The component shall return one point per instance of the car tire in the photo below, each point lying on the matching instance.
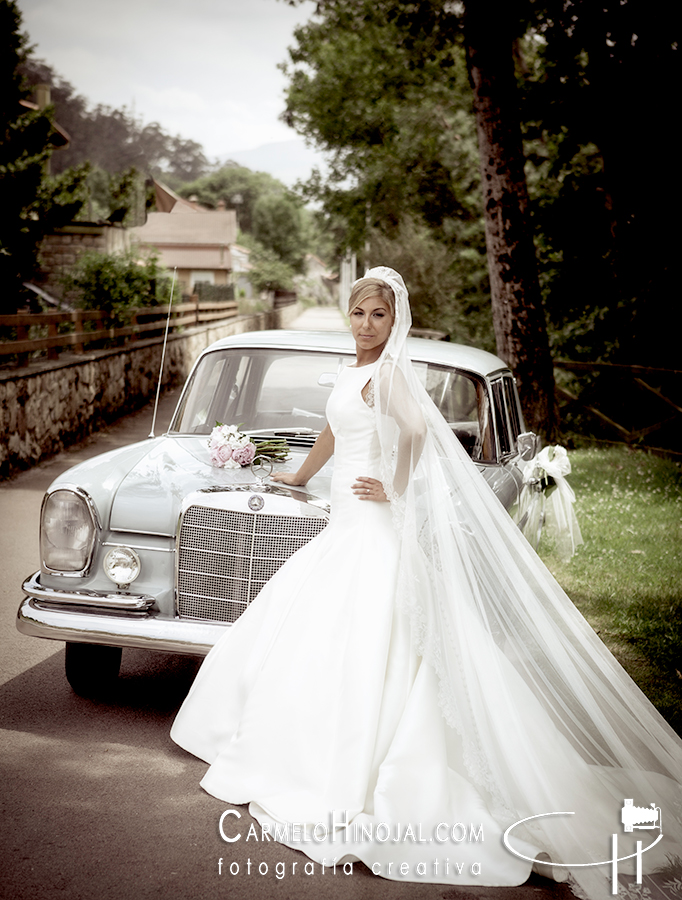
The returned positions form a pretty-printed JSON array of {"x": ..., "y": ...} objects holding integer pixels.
[{"x": 92, "y": 669}]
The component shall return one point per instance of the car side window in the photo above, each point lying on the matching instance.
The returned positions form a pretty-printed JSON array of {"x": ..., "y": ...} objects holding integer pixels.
[
  {"x": 507, "y": 413},
  {"x": 513, "y": 411},
  {"x": 462, "y": 399}
]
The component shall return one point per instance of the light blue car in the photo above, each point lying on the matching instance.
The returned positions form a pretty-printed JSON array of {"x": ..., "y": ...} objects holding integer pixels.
[{"x": 151, "y": 546}]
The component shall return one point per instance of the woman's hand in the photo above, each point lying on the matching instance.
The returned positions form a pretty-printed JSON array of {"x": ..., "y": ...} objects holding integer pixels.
[
  {"x": 320, "y": 453},
  {"x": 290, "y": 478},
  {"x": 369, "y": 489}
]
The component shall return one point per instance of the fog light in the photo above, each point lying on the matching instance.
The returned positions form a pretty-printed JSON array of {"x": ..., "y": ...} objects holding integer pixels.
[{"x": 122, "y": 565}]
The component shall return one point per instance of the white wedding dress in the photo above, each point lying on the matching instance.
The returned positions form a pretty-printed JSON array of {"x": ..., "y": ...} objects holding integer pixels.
[
  {"x": 314, "y": 705},
  {"x": 415, "y": 672}
]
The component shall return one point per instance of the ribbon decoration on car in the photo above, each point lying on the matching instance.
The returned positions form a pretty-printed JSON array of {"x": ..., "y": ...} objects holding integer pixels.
[{"x": 547, "y": 501}]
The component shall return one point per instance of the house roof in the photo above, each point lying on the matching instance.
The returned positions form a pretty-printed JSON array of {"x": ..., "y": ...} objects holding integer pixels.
[
  {"x": 209, "y": 227},
  {"x": 185, "y": 257},
  {"x": 58, "y": 137}
]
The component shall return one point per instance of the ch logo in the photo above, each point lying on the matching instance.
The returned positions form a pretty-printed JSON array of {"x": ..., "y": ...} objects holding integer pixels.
[{"x": 640, "y": 817}]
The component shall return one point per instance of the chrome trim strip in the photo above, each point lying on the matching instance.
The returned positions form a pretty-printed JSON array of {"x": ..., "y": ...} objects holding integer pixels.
[
  {"x": 137, "y": 546},
  {"x": 130, "y": 602},
  {"x": 151, "y": 533},
  {"x": 144, "y": 632}
]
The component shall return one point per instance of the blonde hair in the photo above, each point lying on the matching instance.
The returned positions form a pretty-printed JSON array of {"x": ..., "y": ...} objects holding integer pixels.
[{"x": 365, "y": 288}]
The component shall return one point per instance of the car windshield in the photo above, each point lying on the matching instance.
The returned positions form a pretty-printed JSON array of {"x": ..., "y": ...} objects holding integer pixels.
[{"x": 286, "y": 391}]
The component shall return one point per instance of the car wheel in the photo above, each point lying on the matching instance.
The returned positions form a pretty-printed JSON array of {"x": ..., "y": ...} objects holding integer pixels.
[{"x": 92, "y": 669}]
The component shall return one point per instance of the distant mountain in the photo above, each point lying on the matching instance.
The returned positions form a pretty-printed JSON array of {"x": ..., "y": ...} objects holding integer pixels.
[{"x": 289, "y": 161}]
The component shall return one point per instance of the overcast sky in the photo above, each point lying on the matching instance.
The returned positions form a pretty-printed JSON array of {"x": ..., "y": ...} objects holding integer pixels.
[{"x": 204, "y": 69}]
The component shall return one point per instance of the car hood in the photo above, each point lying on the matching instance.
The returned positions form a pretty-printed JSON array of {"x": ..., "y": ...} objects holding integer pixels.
[{"x": 150, "y": 495}]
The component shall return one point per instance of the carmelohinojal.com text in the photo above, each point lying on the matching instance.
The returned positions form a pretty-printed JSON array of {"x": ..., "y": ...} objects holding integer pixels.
[{"x": 341, "y": 831}]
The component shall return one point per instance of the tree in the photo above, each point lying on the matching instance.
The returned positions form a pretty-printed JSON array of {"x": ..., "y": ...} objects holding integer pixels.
[
  {"x": 518, "y": 316},
  {"x": 396, "y": 122},
  {"x": 597, "y": 103},
  {"x": 427, "y": 267},
  {"x": 363, "y": 72},
  {"x": 237, "y": 187},
  {"x": 278, "y": 225},
  {"x": 280, "y": 229},
  {"x": 268, "y": 272},
  {"x": 33, "y": 204}
]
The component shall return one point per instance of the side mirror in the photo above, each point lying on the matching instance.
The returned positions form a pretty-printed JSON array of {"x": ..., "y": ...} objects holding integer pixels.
[{"x": 528, "y": 445}]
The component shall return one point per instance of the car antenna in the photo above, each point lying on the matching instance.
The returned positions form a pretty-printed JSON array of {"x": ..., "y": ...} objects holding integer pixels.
[{"x": 163, "y": 352}]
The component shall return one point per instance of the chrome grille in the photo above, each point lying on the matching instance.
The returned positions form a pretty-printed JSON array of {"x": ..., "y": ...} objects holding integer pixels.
[{"x": 225, "y": 557}]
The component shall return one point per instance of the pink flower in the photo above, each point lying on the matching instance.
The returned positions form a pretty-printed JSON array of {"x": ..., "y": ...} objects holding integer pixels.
[
  {"x": 223, "y": 454},
  {"x": 244, "y": 455},
  {"x": 220, "y": 454}
]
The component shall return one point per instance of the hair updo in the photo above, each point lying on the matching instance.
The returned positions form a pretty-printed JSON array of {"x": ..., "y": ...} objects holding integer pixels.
[{"x": 365, "y": 288}]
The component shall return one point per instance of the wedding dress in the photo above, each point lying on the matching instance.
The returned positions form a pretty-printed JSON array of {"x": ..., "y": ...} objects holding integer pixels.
[{"x": 412, "y": 683}]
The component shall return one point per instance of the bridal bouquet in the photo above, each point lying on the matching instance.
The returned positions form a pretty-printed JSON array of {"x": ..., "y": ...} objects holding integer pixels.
[{"x": 230, "y": 448}]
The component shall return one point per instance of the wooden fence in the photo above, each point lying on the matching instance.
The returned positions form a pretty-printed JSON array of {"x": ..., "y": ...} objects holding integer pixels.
[
  {"x": 75, "y": 330},
  {"x": 629, "y": 404},
  {"x": 633, "y": 404}
]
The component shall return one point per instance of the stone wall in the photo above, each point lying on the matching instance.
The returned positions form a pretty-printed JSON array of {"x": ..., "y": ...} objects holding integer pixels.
[{"x": 49, "y": 405}]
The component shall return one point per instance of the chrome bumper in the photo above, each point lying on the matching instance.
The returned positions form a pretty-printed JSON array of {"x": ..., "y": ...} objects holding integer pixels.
[
  {"x": 120, "y": 602},
  {"x": 64, "y": 616}
]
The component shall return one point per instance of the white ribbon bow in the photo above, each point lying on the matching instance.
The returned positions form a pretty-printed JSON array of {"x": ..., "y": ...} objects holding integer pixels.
[{"x": 559, "y": 515}]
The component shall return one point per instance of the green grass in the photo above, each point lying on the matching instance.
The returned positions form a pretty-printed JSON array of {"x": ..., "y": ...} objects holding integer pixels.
[{"x": 626, "y": 578}]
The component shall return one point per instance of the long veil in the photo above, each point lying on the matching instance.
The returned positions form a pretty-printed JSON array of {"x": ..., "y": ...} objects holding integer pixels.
[{"x": 548, "y": 720}]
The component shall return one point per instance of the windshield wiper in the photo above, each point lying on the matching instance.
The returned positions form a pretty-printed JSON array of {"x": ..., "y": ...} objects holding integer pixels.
[{"x": 284, "y": 430}]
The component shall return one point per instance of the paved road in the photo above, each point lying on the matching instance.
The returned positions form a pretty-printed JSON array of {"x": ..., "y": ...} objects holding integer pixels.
[
  {"x": 97, "y": 802},
  {"x": 321, "y": 318}
]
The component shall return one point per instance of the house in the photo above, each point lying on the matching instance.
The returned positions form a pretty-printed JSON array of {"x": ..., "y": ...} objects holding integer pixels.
[{"x": 199, "y": 242}]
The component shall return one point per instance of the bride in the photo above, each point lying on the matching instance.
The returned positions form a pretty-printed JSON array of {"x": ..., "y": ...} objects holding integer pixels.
[{"x": 413, "y": 683}]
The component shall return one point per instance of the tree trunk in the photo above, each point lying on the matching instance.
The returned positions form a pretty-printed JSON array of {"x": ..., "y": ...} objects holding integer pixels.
[{"x": 518, "y": 316}]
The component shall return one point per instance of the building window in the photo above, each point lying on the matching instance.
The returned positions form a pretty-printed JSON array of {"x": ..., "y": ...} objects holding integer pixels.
[{"x": 205, "y": 275}]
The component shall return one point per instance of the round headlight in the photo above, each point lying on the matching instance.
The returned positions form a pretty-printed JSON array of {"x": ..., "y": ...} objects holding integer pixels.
[
  {"x": 67, "y": 533},
  {"x": 122, "y": 565}
]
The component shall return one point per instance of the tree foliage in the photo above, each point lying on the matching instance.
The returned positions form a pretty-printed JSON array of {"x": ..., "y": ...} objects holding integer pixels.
[
  {"x": 597, "y": 103},
  {"x": 427, "y": 267},
  {"x": 237, "y": 187},
  {"x": 33, "y": 203},
  {"x": 118, "y": 284},
  {"x": 379, "y": 86},
  {"x": 277, "y": 227},
  {"x": 268, "y": 272},
  {"x": 380, "y": 81},
  {"x": 392, "y": 106}
]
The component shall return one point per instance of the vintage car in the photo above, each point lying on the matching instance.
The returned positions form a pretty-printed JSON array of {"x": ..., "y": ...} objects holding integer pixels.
[{"x": 152, "y": 546}]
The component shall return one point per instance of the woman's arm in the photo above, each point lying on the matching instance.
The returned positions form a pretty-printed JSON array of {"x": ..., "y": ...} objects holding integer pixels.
[{"x": 321, "y": 452}]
